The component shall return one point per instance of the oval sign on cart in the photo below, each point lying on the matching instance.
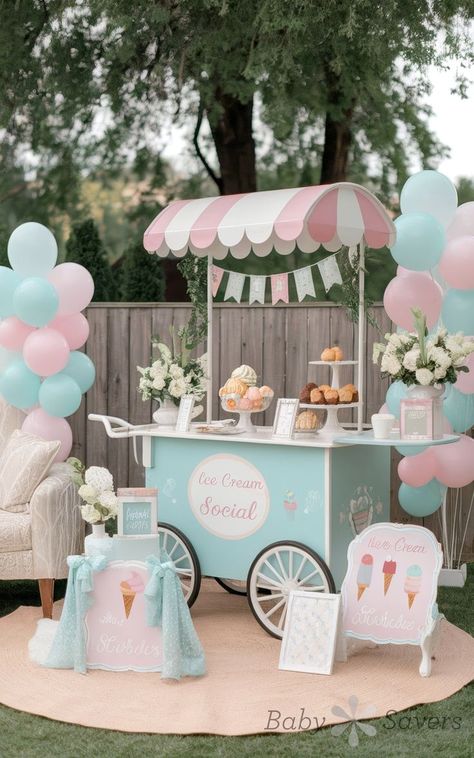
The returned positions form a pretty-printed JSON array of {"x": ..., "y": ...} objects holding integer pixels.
[{"x": 228, "y": 496}]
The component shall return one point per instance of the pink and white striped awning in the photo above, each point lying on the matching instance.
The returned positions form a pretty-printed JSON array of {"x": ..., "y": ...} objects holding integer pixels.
[{"x": 331, "y": 215}]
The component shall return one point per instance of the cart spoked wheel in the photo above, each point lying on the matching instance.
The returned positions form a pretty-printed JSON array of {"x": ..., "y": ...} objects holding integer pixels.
[
  {"x": 233, "y": 586},
  {"x": 276, "y": 571},
  {"x": 184, "y": 558}
]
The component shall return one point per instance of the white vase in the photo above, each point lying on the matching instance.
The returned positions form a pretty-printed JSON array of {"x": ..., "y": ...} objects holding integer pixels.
[
  {"x": 426, "y": 393},
  {"x": 98, "y": 542},
  {"x": 167, "y": 413}
]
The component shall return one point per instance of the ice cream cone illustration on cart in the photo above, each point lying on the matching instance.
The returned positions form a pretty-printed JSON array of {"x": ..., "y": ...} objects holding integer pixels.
[
  {"x": 290, "y": 504},
  {"x": 389, "y": 570},
  {"x": 412, "y": 583},
  {"x": 361, "y": 510},
  {"x": 130, "y": 588},
  {"x": 364, "y": 575}
]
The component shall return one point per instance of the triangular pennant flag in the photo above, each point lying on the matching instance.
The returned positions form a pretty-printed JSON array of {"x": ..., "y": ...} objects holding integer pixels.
[
  {"x": 329, "y": 271},
  {"x": 304, "y": 283},
  {"x": 279, "y": 288},
  {"x": 257, "y": 289},
  {"x": 235, "y": 285},
  {"x": 217, "y": 274}
]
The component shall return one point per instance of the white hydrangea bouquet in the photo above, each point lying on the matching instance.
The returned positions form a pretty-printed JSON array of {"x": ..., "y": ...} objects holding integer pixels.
[
  {"x": 96, "y": 488},
  {"x": 416, "y": 358},
  {"x": 173, "y": 374}
]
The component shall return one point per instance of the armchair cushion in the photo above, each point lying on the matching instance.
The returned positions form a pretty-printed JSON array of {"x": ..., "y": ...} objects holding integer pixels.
[
  {"x": 15, "y": 532},
  {"x": 24, "y": 462},
  {"x": 10, "y": 419}
]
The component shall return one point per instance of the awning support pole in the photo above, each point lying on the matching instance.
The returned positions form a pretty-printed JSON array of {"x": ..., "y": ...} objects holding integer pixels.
[
  {"x": 361, "y": 338},
  {"x": 209, "y": 339}
]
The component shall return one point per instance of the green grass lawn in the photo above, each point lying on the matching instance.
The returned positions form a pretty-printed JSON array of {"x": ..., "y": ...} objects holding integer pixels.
[{"x": 22, "y": 735}]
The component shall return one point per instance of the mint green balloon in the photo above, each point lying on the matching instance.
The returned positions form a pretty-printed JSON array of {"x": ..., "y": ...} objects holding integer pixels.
[
  {"x": 430, "y": 192},
  {"x": 60, "y": 395},
  {"x": 457, "y": 311},
  {"x": 80, "y": 368},
  {"x": 9, "y": 281},
  {"x": 36, "y": 301},
  {"x": 420, "y": 241},
  {"x": 32, "y": 250},
  {"x": 421, "y": 501},
  {"x": 20, "y": 386}
]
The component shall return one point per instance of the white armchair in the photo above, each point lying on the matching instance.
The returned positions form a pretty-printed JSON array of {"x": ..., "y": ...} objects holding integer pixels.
[{"x": 35, "y": 544}]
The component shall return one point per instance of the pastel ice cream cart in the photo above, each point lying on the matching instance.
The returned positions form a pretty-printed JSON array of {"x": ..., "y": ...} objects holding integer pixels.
[{"x": 264, "y": 515}]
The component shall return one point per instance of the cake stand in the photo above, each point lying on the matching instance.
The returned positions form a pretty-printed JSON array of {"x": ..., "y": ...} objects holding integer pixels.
[
  {"x": 332, "y": 425},
  {"x": 230, "y": 404}
]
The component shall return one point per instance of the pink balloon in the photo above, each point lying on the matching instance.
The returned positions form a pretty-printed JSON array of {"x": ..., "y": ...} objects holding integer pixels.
[
  {"x": 413, "y": 290},
  {"x": 74, "y": 285},
  {"x": 46, "y": 351},
  {"x": 454, "y": 463},
  {"x": 75, "y": 328},
  {"x": 50, "y": 428},
  {"x": 463, "y": 222},
  {"x": 13, "y": 333},
  {"x": 457, "y": 263},
  {"x": 465, "y": 380},
  {"x": 417, "y": 470}
]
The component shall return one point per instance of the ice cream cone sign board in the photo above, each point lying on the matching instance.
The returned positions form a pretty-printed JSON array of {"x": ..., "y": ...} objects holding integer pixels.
[
  {"x": 389, "y": 591},
  {"x": 118, "y": 637}
]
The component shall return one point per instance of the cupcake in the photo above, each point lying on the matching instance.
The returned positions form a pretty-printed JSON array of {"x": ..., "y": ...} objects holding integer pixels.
[
  {"x": 266, "y": 391},
  {"x": 235, "y": 387},
  {"x": 253, "y": 393},
  {"x": 305, "y": 394}
]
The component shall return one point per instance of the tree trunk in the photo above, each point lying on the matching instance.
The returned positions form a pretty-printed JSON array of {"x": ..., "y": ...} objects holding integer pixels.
[
  {"x": 337, "y": 135},
  {"x": 233, "y": 138}
]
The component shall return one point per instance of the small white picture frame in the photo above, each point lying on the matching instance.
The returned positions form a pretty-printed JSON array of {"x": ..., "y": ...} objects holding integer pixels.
[
  {"x": 186, "y": 407},
  {"x": 311, "y": 630},
  {"x": 137, "y": 511},
  {"x": 285, "y": 417}
]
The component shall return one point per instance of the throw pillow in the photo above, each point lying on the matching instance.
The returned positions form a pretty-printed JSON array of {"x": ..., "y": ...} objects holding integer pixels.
[
  {"x": 24, "y": 463},
  {"x": 11, "y": 418}
]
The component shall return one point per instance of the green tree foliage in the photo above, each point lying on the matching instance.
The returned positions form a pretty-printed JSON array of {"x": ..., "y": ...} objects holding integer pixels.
[
  {"x": 142, "y": 276},
  {"x": 337, "y": 82},
  {"x": 84, "y": 246}
]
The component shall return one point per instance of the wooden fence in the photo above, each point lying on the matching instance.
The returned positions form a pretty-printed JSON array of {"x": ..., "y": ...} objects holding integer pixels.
[{"x": 277, "y": 341}]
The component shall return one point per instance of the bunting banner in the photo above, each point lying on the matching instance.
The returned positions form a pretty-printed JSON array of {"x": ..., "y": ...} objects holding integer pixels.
[
  {"x": 235, "y": 286},
  {"x": 257, "y": 289},
  {"x": 329, "y": 271},
  {"x": 217, "y": 274},
  {"x": 304, "y": 283},
  {"x": 279, "y": 288}
]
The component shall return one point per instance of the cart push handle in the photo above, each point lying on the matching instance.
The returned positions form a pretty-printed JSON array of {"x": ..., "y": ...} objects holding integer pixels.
[{"x": 120, "y": 428}]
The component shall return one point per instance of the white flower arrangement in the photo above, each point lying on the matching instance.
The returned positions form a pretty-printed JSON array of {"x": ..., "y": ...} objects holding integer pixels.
[
  {"x": 172, "y": 374},
  {"x": 96, "y": 488},
  {"x": 415, "y": 358}
]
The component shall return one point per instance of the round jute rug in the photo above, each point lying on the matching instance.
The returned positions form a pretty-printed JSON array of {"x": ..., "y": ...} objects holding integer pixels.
[{"x": 243, "y": 691}]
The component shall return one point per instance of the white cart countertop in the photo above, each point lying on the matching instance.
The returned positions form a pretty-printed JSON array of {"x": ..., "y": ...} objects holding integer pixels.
[{"x": 263, "y": 436}]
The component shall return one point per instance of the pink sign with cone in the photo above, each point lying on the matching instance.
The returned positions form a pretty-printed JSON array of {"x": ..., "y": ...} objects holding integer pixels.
[
  {"x": 389, "y": 591},
  {"x": 118, "y": 637}
]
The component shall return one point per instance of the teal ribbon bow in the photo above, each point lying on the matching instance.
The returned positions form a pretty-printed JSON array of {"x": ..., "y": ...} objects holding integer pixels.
[
  {"x": 166, "y": 607},
  {"x": 69, "y": 646}
]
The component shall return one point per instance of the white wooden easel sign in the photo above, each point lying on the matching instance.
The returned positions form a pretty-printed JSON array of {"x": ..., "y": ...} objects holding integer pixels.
[{"x": 389, "y": 591}]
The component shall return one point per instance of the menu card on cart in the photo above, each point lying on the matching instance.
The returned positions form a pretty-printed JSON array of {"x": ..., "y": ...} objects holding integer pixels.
[
  {"x": 185, "y": 413},
  {"x": 285, "y": 417}
]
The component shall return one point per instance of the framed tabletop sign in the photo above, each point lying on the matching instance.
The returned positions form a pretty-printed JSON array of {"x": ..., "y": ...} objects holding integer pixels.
[
  {"x": 389, "y": 591},
  {"x": 185, "y": 413},
  {"x": 285, "y": 417},
  {"x": 137, "y": 511},
  {"x": 311, "y": 628}
]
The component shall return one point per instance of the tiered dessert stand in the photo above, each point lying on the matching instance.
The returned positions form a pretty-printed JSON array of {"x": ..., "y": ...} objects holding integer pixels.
[{"x": 332, "y": 425}]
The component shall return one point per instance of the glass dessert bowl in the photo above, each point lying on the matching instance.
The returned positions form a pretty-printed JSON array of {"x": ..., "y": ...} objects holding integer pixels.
[{"x": 245, "y": 406}]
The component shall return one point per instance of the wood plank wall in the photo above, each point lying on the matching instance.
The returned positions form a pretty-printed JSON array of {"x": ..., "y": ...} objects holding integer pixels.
[{"x": 277, "y": 341}]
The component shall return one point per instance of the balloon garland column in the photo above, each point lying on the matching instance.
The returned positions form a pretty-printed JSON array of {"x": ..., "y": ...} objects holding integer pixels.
[
  {"x": 42, "y": 370},
  {"x": 435, "y": 253}
]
